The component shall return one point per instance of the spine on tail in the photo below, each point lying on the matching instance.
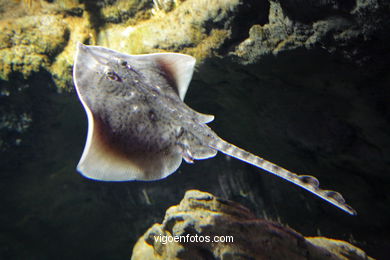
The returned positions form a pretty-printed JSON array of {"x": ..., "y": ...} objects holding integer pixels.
[{"x": 309, "y": 183}]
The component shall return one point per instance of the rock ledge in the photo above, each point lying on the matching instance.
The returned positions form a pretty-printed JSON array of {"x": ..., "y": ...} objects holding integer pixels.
[{"x": 202, "y": 214}]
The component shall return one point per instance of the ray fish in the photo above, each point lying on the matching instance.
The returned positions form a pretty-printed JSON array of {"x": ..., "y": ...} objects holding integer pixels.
[{"x": 139, "y": 128}]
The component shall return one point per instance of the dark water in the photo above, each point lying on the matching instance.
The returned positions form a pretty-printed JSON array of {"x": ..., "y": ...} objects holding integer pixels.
[{"x": 50, "y": 211}]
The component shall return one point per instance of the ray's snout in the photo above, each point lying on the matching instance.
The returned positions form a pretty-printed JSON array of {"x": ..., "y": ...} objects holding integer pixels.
[
  {"x": 81, "y": 50},
  {"x": 93, "y": 54},
  {"x": 80, "y": 46}
]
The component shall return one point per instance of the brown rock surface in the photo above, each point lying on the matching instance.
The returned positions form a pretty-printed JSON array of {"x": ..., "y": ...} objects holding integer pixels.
[{"x": 201, "y": 214}]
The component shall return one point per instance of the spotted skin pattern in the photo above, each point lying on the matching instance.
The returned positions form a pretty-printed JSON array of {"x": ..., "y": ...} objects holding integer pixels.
[{"x": 140, "y": 128}]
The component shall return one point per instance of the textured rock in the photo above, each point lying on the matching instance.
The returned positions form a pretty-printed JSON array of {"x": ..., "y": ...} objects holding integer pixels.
[
  {"x": 35, "y": 38},
  {"x": 28, "y": 44},
  {"x": 126, "y": 11},
  {"x": 200, "y": 28},
  {"x": 42, "y": 38},
  {"x": 202, "y": 214},
  {"x": 342, "y": 249},
  {"x": 331, "y": 25},
  {"x": 193, "y": 27}
]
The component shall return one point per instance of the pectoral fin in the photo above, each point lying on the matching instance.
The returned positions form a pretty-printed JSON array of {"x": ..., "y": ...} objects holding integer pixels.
[{"x": 103, "y": 160}]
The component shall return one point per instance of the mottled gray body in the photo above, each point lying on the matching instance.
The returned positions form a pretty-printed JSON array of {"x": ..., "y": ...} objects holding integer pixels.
[
  {"x": 139, "y": 126},
  {"x": 133, "y": 115},
  {"x": 143, "y": 114}
]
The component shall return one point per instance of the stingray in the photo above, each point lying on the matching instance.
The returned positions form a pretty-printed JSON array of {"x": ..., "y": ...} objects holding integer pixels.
[{"x": 139, "y": 128}]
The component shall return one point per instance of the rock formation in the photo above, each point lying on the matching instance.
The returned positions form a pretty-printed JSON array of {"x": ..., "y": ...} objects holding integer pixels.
[
  {"x": 44, "y": 37},
  {"x": 201, "y": 214}
]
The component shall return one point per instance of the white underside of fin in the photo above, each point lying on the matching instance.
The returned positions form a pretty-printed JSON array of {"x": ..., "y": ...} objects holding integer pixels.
[
  {"x": 99, "y": 162},
  {"x": 205, "y": 118}
]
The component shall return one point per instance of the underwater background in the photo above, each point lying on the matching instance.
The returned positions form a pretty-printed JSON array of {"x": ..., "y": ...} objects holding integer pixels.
[{"x": 304, "y": 84}]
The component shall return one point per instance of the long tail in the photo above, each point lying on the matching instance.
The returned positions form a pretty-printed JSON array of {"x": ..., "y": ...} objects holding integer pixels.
[{"x": 309, "y": 183}]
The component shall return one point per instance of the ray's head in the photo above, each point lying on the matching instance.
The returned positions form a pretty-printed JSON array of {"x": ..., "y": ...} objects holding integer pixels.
[
  {"x": 101, "y": 70},
  {"x": 98, "y": 69}
]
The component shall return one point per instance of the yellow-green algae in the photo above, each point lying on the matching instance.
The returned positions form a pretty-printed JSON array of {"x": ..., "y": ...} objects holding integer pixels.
[
  {"x": 342, "y": 249},
  {"x": 28, "y": 43},
  {"x": 61, "y": 68},
  {"x": 129, "y": 11},
  {"x": 182, "y": 30},
  {"x": 48, "y": 41}
]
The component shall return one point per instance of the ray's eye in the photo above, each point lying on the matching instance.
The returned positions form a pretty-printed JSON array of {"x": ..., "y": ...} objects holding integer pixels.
[
  {"x": 125, "y": 64},
  {"x": 113, "y": 76}
]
